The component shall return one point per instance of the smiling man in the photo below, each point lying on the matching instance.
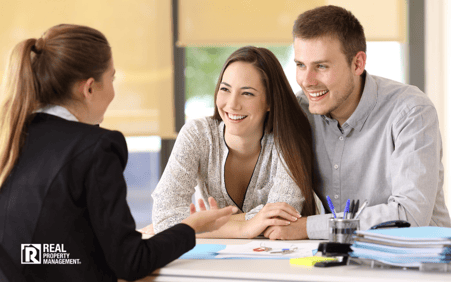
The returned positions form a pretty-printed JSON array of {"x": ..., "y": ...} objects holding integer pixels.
[{"x": 374, "y": 139}]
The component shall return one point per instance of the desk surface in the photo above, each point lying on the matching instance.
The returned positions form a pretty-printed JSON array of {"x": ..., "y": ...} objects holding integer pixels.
[{"x": 278, "y": 270}]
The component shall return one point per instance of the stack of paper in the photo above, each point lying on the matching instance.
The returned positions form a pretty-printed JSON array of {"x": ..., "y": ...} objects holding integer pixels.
[{"x": 407, "y": 247}]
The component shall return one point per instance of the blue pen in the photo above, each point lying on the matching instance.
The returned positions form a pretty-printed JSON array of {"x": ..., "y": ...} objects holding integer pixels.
[
  {"x": 331, "y": 206},
  {"x": 346, "y": 208}
]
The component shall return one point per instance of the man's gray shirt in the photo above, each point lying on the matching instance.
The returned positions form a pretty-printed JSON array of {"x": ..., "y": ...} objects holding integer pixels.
[{"x": 388, "y": 152}]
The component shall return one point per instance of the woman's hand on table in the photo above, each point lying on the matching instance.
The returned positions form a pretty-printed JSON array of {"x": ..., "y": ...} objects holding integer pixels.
[
  {"x": 272, "y": 214},
  {"x": 295, "y": 231}
]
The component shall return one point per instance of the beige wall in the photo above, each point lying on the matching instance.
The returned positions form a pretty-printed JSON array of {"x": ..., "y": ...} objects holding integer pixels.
[
  {"x": 216, "y": 23},
  {"x": 140, "y": 34}
]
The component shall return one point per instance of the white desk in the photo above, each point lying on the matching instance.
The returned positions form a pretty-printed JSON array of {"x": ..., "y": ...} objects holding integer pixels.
[{"x": 278, "y": 270}]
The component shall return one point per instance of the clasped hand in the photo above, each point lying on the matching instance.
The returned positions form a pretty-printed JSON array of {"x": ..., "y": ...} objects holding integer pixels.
[{"x": 272, "y": 214}]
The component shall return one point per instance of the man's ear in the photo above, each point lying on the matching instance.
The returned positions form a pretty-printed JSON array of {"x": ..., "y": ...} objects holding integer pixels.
[
  {"x": 358, "y": 64},
  {"x": 87, "y": 88}
]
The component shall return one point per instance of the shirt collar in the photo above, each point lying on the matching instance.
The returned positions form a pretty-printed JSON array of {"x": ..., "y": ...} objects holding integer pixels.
[
  {"x": 58, "y": 111},
  {"x": 366, "y": 105}
]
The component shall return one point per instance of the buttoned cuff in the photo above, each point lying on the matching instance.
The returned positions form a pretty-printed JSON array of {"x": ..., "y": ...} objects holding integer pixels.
[{"x": 318, "y": 226}]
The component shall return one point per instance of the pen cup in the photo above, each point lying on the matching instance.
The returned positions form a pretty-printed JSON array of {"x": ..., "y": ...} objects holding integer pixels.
[{"x": 341, "y": 230}]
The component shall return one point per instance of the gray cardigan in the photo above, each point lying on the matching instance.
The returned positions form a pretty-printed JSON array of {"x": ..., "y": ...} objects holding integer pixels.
[{"x": 198, "y": 159}]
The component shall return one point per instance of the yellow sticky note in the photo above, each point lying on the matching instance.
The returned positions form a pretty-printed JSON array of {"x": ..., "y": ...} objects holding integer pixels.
[{"x": 309, "y": 261}]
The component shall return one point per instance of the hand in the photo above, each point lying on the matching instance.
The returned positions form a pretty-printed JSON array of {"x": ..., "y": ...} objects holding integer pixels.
[
  {"x": 272, "y": 214},
  {"x": 147, "y": 230},
  {"x": 295, "y": 231},
  {"x": 208, "y": 220},
  {"x": 211, "y": 201}
]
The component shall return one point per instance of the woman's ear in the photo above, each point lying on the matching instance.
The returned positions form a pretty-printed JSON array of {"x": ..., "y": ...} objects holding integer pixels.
[{"x": 87, "y": 88}]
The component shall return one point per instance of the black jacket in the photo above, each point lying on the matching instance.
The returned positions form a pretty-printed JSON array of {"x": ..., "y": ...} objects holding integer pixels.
[{"x": 67, "y": 188}]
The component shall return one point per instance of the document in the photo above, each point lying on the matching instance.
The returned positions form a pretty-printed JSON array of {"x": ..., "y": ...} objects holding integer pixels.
[
  {"x": 274, "y": 250},
  {"x": 252, "y": 250}
]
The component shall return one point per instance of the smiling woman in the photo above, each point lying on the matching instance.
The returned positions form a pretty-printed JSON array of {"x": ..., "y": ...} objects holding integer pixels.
[
  {"x": 241, "y": 101},
  {"x": 253, "y": 153},
  {"x": 203, "y": 66}
]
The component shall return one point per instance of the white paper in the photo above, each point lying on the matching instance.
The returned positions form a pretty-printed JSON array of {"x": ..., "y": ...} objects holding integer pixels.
[{"x": 247, "y": 250}]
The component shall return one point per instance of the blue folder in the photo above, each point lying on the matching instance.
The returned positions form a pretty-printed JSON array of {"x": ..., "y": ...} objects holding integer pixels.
[
  {"x": 414, "y": 245},
  {"x": 422, "y": 234},
  {"x": 203, "y": 251}
]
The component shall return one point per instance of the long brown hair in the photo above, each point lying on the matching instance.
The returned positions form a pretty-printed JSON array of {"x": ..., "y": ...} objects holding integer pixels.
[
  {"x": 286, "y": 120},
  {"x": 41, "y": 72}
]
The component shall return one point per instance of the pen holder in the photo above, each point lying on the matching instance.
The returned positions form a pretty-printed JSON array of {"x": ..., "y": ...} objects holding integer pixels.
[{"x": 341, "y": 230}]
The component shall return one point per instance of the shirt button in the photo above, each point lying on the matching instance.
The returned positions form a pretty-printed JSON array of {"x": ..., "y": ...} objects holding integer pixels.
[
  {"x": 336, "y": 196},
  {"x": 341, "y": 138},
  {"x": 336, "y": 166}
]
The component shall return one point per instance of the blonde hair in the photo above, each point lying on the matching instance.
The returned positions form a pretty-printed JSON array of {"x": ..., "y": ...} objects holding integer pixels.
[{"x": 43, "y": 71}]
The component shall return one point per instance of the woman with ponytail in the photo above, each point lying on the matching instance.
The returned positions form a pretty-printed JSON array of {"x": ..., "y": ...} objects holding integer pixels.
[
  {"x": 61, "y": 177},
  {"x": 254, "y": 153}
]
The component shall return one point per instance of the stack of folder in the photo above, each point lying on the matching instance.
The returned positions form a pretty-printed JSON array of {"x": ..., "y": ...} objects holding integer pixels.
[{"x": 404, "y": 247}]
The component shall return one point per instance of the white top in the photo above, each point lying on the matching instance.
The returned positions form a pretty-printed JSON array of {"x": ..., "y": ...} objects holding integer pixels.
[{"x": 198, "y": 158}]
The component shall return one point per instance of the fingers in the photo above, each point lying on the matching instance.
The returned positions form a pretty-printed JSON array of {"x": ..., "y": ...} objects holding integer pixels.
[
  {"x": 294, "y": 231},
  {"x": 274, "y": 233},
  {"x": 192, "y": 208},
  {"x": 280, "y": 214},
  {"x": 285, "y": 207},
  {"x": 268, "y": 231},
  {"x": 213, "y": 204},
  {"x": 282, "y": 210},
  {"x": 209, "y": 220},
  {"x": 211, "y": 201},
  {"x": 201, "y": 205},
  {"x": 226, "y": 211},
  {"x": 147, "y": 230},
  {"x": 223, "y": 216},
  {"x": 276, "y": 222}
]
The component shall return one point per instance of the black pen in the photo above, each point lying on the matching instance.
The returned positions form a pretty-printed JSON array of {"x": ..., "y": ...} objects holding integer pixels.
[
  {"x": 351, "y": 211},
  {"x": 356, "y": 208}
]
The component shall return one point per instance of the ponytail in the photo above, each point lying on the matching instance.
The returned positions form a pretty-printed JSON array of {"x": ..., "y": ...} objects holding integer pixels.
[
  {"x": 17, "y": 102},
  {"x": 42, "y": 72}
]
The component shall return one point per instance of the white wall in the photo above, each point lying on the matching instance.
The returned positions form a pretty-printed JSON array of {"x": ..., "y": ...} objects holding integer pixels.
[{"x": 438, "y": 75}]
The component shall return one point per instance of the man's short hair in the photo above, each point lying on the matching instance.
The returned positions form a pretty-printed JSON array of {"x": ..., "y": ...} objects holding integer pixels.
[{"x": 332, "y": 21}]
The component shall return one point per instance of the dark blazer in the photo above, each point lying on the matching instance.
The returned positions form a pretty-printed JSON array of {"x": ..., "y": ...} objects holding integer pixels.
[{"x": 68, "y": 188}]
